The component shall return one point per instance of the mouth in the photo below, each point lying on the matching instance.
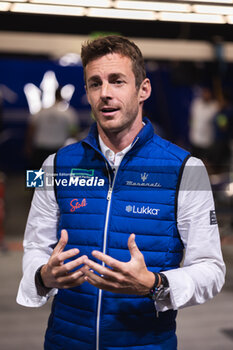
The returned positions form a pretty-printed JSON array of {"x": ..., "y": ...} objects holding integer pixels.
[{"x": 109, "y": 110}]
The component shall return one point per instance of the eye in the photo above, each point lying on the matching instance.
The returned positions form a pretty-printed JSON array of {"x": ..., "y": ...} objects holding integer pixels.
[
  {"x": 94, "y": 85},
  {"x": 118, "y": 82}
]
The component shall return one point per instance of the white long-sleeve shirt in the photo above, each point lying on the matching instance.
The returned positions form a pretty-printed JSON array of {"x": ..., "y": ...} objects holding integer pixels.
[{"x": 203, "y": 271}]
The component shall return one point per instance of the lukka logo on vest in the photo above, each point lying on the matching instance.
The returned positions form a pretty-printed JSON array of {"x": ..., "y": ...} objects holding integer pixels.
[{"x": 142, "y": 210}]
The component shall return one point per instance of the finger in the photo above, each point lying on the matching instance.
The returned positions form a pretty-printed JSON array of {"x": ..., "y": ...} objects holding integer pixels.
[
  {"x": 102, "y": 270},
  {"x": 133, "y": 248},
  {"x": 95, "y": 279},
  {"x": 71, "y": 280},
  {"x": 100, "y": 282},
  {"x": 59, "y": 258},
  {"x": 62, "y": 242},
  {"x": 69, "y": 254},
  {"x": 92, "y": 278},
  {"x": 66, "y": 268},
  {"x": 108, "y": 260}
]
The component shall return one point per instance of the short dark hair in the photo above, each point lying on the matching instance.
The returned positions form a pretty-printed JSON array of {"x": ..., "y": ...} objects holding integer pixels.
[{"x": 102, "y": 46}]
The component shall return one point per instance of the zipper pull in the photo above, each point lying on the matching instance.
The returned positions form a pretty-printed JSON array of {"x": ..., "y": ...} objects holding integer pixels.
[{"x": 109, "y": 194}]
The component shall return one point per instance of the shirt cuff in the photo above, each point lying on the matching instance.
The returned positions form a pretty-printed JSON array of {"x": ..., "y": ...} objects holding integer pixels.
[
  {"x": 181, "y": 288},
  {"x": 32, "y": 299},
  {"x": 27, "y": 293},
  {"x": 163, "y": 302}
]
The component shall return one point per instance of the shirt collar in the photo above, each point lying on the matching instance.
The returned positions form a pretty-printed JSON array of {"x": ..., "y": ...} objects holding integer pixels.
[
  {"x": 105, "y": 148},
  {"x": 112, "y": 157}
]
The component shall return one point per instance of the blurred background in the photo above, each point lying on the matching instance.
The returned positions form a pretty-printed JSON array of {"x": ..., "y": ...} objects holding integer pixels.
[{"x": 188, "y": 49}]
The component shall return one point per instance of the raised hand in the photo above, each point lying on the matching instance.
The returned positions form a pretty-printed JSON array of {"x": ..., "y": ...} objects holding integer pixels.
[
  {"x": 131, "y": 277},
  {"x": 56, "y": 273}
]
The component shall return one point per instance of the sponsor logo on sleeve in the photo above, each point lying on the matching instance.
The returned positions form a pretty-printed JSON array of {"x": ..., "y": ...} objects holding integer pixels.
[{"x": 213, "y": 217}]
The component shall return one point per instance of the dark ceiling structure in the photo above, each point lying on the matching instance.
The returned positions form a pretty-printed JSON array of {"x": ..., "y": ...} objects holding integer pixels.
[{"x": 134, "y": 28}]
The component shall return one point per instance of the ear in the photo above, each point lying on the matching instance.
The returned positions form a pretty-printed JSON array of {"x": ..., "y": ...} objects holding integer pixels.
[{"x": 144, "y": 90}]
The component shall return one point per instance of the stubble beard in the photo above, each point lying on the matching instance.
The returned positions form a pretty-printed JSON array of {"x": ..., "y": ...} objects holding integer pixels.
[{"x": 123, "y": 123}]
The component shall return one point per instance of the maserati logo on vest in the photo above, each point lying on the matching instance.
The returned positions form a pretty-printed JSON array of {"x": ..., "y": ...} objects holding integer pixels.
[
  {"x": 144, "y": 177},
  {"x": 141, "y": 210},
  {"x": 143, "y": 182}
]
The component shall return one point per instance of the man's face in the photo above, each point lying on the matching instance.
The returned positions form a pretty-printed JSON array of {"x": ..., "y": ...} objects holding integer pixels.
[{"x": 111, "y": 92}]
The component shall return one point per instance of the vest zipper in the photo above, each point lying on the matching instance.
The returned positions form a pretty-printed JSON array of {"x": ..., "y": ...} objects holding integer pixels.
[
  {"x": 109, "y": 194},
  {"x": 109, "y": 197}
]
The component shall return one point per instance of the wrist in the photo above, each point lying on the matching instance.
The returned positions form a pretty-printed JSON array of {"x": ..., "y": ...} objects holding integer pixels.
[
  {"x": 42, "y": 290},
  {"x": 152, "y": 281},
  {"x": 159, "y": 280},
  {"x": 160, "y": 283},
  {"x": 164, "y": 281},
  {"x": 41, "y": 272}
]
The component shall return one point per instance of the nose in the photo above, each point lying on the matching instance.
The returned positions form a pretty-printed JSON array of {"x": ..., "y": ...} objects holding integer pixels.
[{"x": 106, "y": 91}]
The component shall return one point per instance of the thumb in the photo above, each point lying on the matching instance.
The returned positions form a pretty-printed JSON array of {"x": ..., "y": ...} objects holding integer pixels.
[
  {"x": 133, "y": 248},
  {"x": 62, "y": 242}
]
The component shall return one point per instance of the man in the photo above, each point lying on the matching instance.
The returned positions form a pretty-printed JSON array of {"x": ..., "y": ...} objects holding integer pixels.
[
  {"x": 203, "y": 109},
  {"x": 119, "y": 293},
  {"x": 50, "y": 129}
]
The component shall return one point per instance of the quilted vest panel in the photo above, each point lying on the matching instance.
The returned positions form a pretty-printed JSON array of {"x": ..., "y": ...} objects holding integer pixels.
[{"x": 100, "y": 210}]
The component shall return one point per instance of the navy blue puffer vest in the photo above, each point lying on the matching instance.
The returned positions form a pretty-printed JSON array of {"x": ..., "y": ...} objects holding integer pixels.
[{"x": 100, "y": 210}]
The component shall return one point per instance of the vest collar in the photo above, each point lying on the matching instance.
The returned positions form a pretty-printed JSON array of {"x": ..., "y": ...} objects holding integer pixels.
[{"x": 145, "y": 134}]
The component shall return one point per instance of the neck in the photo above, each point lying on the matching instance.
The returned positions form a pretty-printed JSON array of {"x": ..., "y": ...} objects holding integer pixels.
[{"x": 117, "y": 141}]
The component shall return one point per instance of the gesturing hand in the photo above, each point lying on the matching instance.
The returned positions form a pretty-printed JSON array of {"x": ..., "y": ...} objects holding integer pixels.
[
  {"x": 56, "y": 273},
  {"x": 131, "y": 277}
]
